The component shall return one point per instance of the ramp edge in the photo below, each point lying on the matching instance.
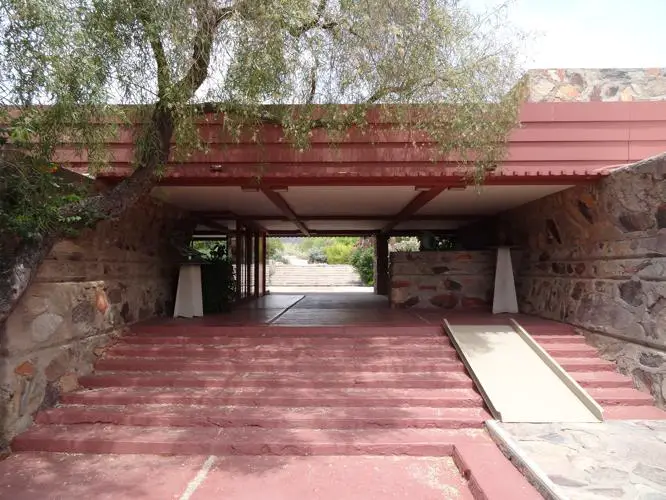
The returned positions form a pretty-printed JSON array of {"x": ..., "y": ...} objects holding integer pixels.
[
  {"x": 561, "y": 373},
  {"x": 477, "y": 383},
  {"x": 532, "y": 472}
]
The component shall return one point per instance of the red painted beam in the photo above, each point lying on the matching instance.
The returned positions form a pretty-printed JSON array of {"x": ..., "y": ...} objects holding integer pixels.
[
  {"x": 313, "y": 218},
  {"x": 282, "y": 205},
  {"x": 417, "y": 203}
]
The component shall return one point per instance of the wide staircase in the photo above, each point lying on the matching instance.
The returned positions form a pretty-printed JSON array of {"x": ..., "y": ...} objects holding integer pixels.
[
  {"x": 312, "y": 275},
  {"x": 299, "y": 391},
  {"x": 267, "y": 389}
]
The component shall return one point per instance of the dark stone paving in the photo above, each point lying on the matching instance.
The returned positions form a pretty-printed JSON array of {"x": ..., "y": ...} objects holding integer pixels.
[{"x": 622, "y": 459}]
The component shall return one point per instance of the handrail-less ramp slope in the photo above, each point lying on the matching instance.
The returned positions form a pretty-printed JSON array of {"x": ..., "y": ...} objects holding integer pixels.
[{"x": 518, "y": 379}]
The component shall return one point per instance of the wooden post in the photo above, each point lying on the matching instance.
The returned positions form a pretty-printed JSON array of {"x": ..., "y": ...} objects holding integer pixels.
[{"x": 381, "y": 264}]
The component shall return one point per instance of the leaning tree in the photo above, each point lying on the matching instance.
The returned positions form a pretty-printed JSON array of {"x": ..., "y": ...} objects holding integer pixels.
[{"x": 78, "y": 70}]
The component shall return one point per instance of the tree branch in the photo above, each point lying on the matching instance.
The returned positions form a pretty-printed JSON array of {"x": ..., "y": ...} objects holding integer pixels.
[
  {"x": 314, "y": 22},
  {"x": 208, "y": 20},
  {"x": 163, "y": 76},
  {"x": 382, "y": 92}
]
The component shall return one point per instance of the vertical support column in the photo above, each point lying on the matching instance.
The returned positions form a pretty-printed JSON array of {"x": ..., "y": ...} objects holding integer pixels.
[
  {"x": 239, "y": 262},
  {"x": 381, "y": 264},
  {"x": 256, "y": 257},
  {"x": 264, "y": 263}
]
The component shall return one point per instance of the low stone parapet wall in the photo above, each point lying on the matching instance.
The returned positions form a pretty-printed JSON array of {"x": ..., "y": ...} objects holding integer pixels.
[
  {"x": 442, "y": 280},
  {"x": 86, "y": 292}
]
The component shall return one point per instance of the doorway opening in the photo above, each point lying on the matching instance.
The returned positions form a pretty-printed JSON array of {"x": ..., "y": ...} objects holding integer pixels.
[{"x": 321, "y": 264}]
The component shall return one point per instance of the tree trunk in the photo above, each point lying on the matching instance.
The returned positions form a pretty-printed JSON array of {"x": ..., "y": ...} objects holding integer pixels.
[{"x": 19, "y": 269}]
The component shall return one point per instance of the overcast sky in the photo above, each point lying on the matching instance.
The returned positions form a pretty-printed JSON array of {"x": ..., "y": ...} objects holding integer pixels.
[{"x": 591, "y": 33}]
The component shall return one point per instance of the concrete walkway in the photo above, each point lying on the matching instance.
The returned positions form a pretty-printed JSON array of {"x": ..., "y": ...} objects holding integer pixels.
[{"x": 612, "y": 460}]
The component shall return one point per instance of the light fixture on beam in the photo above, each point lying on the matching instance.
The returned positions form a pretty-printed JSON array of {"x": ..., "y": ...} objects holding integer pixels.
[
  {"x": 422, "y": 188},
  {"x": 216, "y": 168},
  {"x": 456, "y": 188},
  {"x": 280, "y": 189},
  {"x": 250, "y": 189}
]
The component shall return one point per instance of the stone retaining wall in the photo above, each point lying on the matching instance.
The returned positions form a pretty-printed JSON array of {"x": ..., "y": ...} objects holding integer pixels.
[
  {"x": 444, "y": 280},
  {"x": 586, "y": 85},
  {"x": 84, "y": 294},
  {"x": 595, "y": 257}
]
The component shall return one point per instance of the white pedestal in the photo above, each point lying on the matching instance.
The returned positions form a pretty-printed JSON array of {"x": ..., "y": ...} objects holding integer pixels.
[
  {"x": 189, "y": 298},
  {"x": 505, "y": 300}
]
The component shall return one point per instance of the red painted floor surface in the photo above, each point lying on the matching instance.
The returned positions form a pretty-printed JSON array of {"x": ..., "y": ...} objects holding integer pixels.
[
  {"x": 43, "y": 476},
  {"x": 60, "y": 476},
  {"x": 356, "y": 410},
  {"x": 334, "y": 478}
]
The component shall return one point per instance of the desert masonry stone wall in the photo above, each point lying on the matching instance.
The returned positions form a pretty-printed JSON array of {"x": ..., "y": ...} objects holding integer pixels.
[
  {"x": 595, "y": 256},
  {"x": 589, "y": 85},
  {"x": 85, "y": 293},
  {"x": 444, "y": 280}
]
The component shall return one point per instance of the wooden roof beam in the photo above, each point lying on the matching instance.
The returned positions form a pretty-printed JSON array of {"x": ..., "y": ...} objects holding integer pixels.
[
  {"x": 284, "y": 207},
  {"x": 324, "y": 218},
  {"x": 417, "y": 203}
]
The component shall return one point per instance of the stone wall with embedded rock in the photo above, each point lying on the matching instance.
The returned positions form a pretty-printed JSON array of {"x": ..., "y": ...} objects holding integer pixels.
[
  {"x": 583, "y": 85},
  {"x": 595, "y": 256},
  {"x": 443, "y": 280},
  {"x": 85, "y": 293}
]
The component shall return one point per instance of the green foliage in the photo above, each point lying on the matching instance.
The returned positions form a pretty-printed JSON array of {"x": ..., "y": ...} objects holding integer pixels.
[
  {"x": 404, "y": 244},
  {"x": 363, "y": 260},
  {"x": 339, "y": 252},
  {"x": 251, "y": 60},
  {"x": 317, "y": 256},
  {"x": 275, "y": 250},
  {"x": 336, "y": 248},
  {"x": 218, "y": 280},
  {"x": 31, "y": 194}
]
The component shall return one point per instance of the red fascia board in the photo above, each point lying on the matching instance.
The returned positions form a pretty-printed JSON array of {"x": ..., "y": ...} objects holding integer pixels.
[
  {"x": 609, "y": 151},
  {"x": 593, "y": 111},
  {"x": 639, "y": 150},
  {"x": 412, "y": 171}
]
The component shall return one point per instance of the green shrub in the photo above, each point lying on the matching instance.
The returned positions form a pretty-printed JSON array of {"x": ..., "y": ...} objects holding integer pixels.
[
  {"x": 363, "y": 260},
  {"x": 218, "y": 280},
  {"x": 274, "y": 249},
  {"x": 317, "y": 256},
  {"x": 405, "y": 244},
  {"x": 339, "y": 253}
]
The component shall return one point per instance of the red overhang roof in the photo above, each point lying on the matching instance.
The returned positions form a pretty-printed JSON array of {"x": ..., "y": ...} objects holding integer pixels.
[{"x": 562, "y": 143}]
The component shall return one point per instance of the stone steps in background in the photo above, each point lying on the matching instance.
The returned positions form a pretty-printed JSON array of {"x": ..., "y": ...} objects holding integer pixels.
[{"x": 312, "y": 275}]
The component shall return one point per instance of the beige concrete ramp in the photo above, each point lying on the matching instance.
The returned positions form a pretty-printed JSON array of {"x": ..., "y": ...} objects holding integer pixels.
[{"x": 519, "y": 381}]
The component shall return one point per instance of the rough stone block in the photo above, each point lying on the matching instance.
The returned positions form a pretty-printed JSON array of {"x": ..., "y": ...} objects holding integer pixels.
[{"x": 25, "y": 369}]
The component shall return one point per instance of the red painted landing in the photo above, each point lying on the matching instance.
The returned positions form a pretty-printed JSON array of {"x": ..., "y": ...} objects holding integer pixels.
[{"x": 51, "y": 476}]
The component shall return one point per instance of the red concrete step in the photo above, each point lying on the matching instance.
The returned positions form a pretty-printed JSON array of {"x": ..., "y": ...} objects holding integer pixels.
[
  {"x": 448, "y": 380},
  {"x": 590, "y": 380},
  {"x": 305, "y": 342},
  {"x": 231, "y": 367},
  {"x": 573, "y": 365},
  {"x": 546, "y": 340},
  {"x": 271, "y": 352},
  {"x": 571, "y": 350},
  {"x": 103, "y": 438},
  {"x": 267, "y": 417},
  {"x": 442, "y": 398},
  {"x": 621, "y": 397},
  {"x": 290, "y": 331},
  {"x": 634, "y": 413}
]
